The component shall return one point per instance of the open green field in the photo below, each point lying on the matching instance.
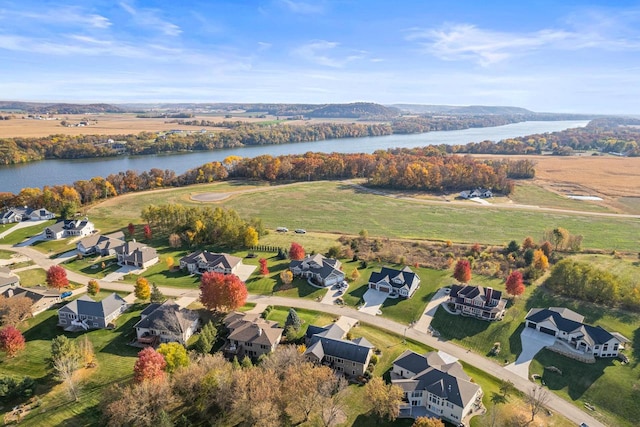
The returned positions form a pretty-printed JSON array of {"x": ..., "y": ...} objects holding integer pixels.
[
  {"x": 6, "y": 254},
  {"x": 32, "y": 277},
  {"x": 21, "y": 234},
  {"x": 527, "y": 193},
  {"x": 338, "y": 207},
  {"x": 55, "y": 247},
  {"x": 115, "y": 365}
]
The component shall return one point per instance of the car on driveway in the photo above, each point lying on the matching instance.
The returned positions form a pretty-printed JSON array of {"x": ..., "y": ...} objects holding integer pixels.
[{"x": 301, "y": 231}]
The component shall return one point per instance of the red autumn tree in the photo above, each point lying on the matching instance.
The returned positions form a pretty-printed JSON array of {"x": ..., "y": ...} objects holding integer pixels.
[
  {"x": 264, "y": 270},
  {"x": 462, "y": 271},
  {"x": 131, "y": 229},
  {"x": 222, "y": 292},
  {"x": 296, "y": 251},
  {"x": 149, "y": 366},
  {"x": 57, "y": 277},
  {"x": 147, "y": 232},
  {"x": 11, "y": 341},
  {"x": 514, "y": 283}
]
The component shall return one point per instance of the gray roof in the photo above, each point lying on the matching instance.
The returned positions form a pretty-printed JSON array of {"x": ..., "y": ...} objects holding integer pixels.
[
  {"x": 136, "y": 252},
  {"x": 88, "y": 307},
  {"x": 320, "y": 265},
  {"x": 168, "y": 316},
  {"x": 331, "y": 331},
  {"x": 343, "y": 349},
  {"x": 567, "y": 321},
  {"x": 35, "y": 294},
  {"x": 460, "y": 292},
  {"x": 103, "y": 242},
  {"x": 212, "y": 259},
  {"x": 69, "y": 224},
  {"x": 398, "y": 279},
  {"x": 8, "y": 278},
  {"x": 250, "y": 327},
  {"x": 447, "y": 381}
]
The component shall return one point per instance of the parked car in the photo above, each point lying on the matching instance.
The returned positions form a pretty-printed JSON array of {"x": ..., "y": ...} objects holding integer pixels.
[
  {"x": 301, "y": 231},
  {"x": 66, "y": 294},
  {"x": 282, "y": 229}
]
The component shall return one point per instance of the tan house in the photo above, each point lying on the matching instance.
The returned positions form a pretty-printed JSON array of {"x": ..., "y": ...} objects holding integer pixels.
[
  {"x": 136, "y": 254},
  {"x": 100, "y": 244},
  {"x": 203, "y": 261},
  {"x": 41, "y": 297},
  {"x": 251, "y": 335},
  {"x": 166, "y": 322}
]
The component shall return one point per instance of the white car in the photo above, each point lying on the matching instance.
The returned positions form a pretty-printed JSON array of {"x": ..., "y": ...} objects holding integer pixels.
[{"x": 301, "y": 231}]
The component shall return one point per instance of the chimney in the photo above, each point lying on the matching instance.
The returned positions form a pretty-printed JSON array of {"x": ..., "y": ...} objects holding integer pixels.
[
  {"x": 259, "y": 331},
  {"x": 489, "y": 294},
  {"x": 10, "y": 293}
]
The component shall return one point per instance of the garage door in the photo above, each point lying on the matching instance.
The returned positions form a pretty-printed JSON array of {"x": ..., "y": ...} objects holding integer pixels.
[
  {"x": 547, "y": 331},
  {"x": 384, "y": 289}
]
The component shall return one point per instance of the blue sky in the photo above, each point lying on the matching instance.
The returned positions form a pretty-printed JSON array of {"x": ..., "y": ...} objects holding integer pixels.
[{"x": 560, "y": 56}]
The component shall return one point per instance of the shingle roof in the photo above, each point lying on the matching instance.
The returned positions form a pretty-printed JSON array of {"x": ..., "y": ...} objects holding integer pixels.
[
  {"x": 168, "y": 316},
  {"x": 250, "y": 327},
  {"x": 447, "y": 381},
  {"x": 320, "y": 265},
  {"x": 87, "y": 306},
  {"x": 136, "y": 252},
  {"x": 566, "y": 320},
  {"x": 398, "y": 279},
  {"x": 343, "y": 349},
  {"x": 331, "y": 331},
  {"x": 226, "y": 261}
]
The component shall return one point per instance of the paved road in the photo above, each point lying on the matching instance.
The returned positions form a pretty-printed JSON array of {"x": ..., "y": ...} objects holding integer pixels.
[{"x": 555, "y": 403}]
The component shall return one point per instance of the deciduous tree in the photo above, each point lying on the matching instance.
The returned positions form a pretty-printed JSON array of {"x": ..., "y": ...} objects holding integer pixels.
[
  {"x": 174, "y": 240},
  {"x": 65, "y": 360},
  {"x": 355, "y": 274},
  {"x": 286, "y": 276},
  {"x": 384, "y": 399},
  {"x": 536, "y": 398},
  {"x": 142, "y": 290},
  {"x": 170, "y": 262},
  {"x": 427, "y": 422},
  {"x": 148, "y": 234},
  {"x": 296, "y": 251},
  {"x": 131, "y": 229},
  {"x": 174, "y": 354},
  {"x": 14, "y": 310},
  {"x": 540, "y": 260},
  {"x": 93, "y": 287},
  {"x": 143, "y": 404},
  {"x": 528, "y": 243},
  {"x": 11, "y": 341},
  {"x": 546, "y": 248},
  {"x": 251, "y": 237},
  {"x": 264, "y": 269},
  {"x": 57, "y": 277},
  {"x": 462, "y": 271},
  {"x": 222, "y": 292},
  {"x": 514, "y": 283},
  {"x": 149, "y": 366}
]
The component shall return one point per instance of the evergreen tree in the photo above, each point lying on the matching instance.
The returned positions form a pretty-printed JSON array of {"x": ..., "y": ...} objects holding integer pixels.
[
  {"x": 293, "y": 320},
  {"x": 156, "y": 295},
  {"x": 207, "y": 338}
]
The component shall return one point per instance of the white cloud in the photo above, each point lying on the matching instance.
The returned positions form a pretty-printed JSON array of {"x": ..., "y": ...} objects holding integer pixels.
[
  {"x": 304, "y": 8},
  {"x": 319, "y": 52},
  {"x": 149, "y": 19},
  {"x": 61, "y": 16}
]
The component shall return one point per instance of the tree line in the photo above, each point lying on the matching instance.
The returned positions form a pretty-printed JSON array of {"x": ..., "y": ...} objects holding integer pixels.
[{"x": 421, "y": 169}]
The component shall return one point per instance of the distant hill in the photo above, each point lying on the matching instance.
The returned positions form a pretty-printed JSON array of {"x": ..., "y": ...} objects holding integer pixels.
[
  {"x": 460, "y": 110},
  {"x": 58, "y": 108},
  {"x": 356, "y": 110}
]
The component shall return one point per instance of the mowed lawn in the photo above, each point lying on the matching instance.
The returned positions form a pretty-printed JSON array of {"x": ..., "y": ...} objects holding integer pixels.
[
  {"x": 338, "y": 207},
  {"x": 115, "y": 365}
]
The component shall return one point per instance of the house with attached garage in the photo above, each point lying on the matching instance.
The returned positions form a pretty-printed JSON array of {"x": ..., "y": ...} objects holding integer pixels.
[
  {"x": 8, "y": 279},
  {"x": 478, "y": 301},
  {"x": 136, "y": 254},
  {"x": 15, "y": 215},
  {"x": 328, "y": 346},
  {"x": 41, "y": 214},
  {"x": 166, "y": 322},
  {"x": 203, "y": 261},
  {"x": 435, "y": 385},
  {"x": 69, "y": 228},
  {"x": 41, "y": 297},
  {"x": 397, "y": 283},
  {"x": 250, "y": 335},
  {"x": 572, "y": 333},
  {"x": 322, "y": 271},
  {"x": 85, "y": 313},
  {"x": 100, "y": 244}
]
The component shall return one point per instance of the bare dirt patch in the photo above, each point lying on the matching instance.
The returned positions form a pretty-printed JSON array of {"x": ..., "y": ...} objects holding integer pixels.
[{"x": 210, "y": 197}]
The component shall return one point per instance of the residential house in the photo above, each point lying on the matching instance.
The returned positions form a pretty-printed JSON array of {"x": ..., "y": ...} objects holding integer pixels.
[
  {"x": 41, "y": 214},
  {"x": 203, "y": 261},
  {"x": 478, "y": 192},
  {"x": 7, "y": 278},
  {"x": 478, "y": 301},
  {"x": 322, "y": 271},
  {"x": 397, "y": 283},
  {"x": 251, "y": 335},
  {"x": 41, "y": 297},
  {"x": 69, "y": 228},
  {"x": 439, "y": 386},
  {"x": 136, "y": 254},
  {"x": 166, "y": 322},
  {"x": 568, "y": 327},
  {"x": 86, "y": 313},
  {"x": 15, "y": 215},
  {"x": 100, "y": 244},
  {"x": 327, "y": 346}
]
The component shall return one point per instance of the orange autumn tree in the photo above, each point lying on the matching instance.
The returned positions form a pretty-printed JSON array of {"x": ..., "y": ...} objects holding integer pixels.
[{"x": 222, "y": 292}]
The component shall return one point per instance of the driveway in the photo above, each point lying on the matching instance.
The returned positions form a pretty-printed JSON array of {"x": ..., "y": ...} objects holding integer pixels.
[
  {"x": 532, "y": 342},
  {"x": 20, "y": 225},
  {"x": 121, "y": 272},
  {"x": 331, "y": 295},
  {"x": 244, "y": 271},
  {"x": 424, "y": 322},
  {"x": 373, "y": 300}
]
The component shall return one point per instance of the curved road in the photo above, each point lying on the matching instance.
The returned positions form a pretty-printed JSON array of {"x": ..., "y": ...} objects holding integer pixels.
[{"x": 555, "y": 403}]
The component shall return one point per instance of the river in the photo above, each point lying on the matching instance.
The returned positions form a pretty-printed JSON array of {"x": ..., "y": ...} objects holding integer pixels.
[{"x": 54, "y": 172}]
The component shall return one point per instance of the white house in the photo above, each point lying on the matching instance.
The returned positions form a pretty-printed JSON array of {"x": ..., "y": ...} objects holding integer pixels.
[
  {"x": 567, "y": 326},
  {"x": 321, "y": 270},
  {"x": 395, "y": 282},
  {"x": 440, "y": 387},
  {"x": 69, "y": 228},
  {"x": 41, "y": 214}
]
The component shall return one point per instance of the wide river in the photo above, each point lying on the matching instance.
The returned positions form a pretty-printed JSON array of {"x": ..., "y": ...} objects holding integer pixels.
[{"x": 53, "y": 172}]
